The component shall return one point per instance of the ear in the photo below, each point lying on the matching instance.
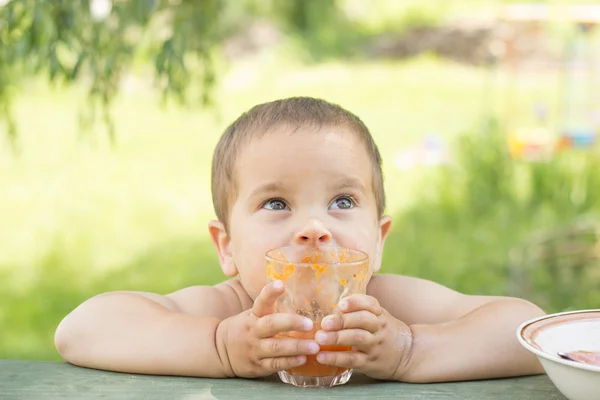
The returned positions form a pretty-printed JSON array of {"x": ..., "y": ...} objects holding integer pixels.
[
  {"x": 385, "y": 223},
  {"x": 222, "y": 243}
]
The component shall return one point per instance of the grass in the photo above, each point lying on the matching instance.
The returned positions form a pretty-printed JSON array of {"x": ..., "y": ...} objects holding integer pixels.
[{"x": 79, "y": 218}]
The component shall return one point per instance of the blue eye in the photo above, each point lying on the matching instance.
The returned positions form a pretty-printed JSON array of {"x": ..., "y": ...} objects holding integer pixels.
[
  {"x": 344, "y": 202},
  {"x": 275, "y": 205}
]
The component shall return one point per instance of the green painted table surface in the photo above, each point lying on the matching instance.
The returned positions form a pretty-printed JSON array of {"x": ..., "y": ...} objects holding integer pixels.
[{"x": 55, "y": 380}]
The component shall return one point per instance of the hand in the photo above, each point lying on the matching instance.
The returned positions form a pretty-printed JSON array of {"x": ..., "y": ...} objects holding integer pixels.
[
  {"x": 381, "y": 343},
  {"x": 251, "y": 348}
]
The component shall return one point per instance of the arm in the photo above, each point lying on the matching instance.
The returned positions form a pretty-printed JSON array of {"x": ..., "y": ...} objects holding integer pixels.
[
  {"x": 212, "y": 332},
  {"x": 479, "y": 345},
  {"x": 148, "y": 333},
  {"x": 455, "y": 336}
]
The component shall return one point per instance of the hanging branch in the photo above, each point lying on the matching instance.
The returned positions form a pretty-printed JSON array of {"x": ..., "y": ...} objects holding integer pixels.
[
  {"x": 95, "y": 42},
  {"x": 81, "y": 41}
]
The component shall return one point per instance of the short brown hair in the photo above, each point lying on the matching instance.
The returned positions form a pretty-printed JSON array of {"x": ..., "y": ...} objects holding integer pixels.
[{"x": 295, "y": 112}]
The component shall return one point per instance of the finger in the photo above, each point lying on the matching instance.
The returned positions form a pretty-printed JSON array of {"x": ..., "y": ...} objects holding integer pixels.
[
  {"x": 355, "y": 320},
  {"x": 282, "y": 363},
  {"x": 265, "y": 302},
  {"x": 357, "y": 338},
  {"x": 344, "y": 359},
  {"x": 358, "y": 302},
  {"x": 272, "y": 324},
  {"x": 284, "y": 347}
]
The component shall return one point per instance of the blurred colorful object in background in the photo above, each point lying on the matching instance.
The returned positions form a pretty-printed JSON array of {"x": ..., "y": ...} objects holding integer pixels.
[{"x": 575, "y": 120}]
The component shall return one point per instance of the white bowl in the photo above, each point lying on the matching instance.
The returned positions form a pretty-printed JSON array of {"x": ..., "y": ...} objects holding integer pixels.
[{"x": 565, "y": 332}]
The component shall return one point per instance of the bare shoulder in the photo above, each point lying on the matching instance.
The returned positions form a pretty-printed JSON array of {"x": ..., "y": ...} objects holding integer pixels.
[
  {"x": 420, "y": 301},
  {"x": 219, "y": 301}
]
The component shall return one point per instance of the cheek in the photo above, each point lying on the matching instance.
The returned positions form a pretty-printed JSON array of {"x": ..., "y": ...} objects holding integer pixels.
[
  {"x": 363, "y": 237},
  {"x": 249, "y": 256},
  {"x": 362, "y": 232}
]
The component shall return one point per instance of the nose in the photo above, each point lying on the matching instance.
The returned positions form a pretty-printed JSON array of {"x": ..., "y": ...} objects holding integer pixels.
[{"x": 313, "y": 232}]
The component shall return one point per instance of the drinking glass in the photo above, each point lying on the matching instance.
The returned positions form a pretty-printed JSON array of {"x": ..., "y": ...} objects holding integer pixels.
[{"x": 316, "y": 279}]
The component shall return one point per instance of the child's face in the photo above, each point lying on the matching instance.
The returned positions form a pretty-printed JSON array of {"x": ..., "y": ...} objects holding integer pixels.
[{"x": 301, "y": 188}]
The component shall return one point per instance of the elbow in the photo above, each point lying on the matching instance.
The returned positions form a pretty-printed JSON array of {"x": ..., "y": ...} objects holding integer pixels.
[
  {"x": 520, "y": 308},
  {"x": 530, "y": 309},
  {"x": 74, "y": 330},
  {"x": 60, "y": 342},
  {"x": 64, "y": 339}
]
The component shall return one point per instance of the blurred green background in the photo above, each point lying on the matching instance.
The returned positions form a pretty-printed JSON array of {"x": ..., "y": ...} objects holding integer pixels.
[{"x": 122, "y": 201}]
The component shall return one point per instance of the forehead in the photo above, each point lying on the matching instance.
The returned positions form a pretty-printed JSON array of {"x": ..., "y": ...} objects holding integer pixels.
[{"x": 287, "y": 154}]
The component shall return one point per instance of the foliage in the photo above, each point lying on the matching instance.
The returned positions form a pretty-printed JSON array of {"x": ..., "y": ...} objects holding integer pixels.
[
  {"x": 32, "y": 315},
  {"x": 474, "y": 213},
  {"x": 69, "y": 42},
  {"x": 79, "y": 41}
]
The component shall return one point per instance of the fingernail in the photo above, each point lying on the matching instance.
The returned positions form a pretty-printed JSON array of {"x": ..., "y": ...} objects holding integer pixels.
[
  {"x": 313, "y": 348},
  {"x": 327, "y": 323},
  {"x": 301, "y": 359},
  {"x": 308, "y": 324},
  {"x": 343, "y": 305},
  {"x": 277, "y": 285},
  {"x": 321, "y": 357},
  {"x": 321, "y": 337}
]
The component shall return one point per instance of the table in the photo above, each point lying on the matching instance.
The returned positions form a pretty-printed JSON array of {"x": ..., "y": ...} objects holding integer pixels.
[{"x": 56, "y": 380}]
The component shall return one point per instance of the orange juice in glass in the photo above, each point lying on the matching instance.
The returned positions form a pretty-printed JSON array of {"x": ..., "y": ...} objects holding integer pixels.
[{"x": 316, "y": 279}]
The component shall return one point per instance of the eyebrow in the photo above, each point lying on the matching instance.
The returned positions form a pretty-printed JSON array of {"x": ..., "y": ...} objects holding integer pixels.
[
  {"x": 275, "y": 187},
  {"x": 349, "y": 183},
  {"x": 266, "y": 188}
]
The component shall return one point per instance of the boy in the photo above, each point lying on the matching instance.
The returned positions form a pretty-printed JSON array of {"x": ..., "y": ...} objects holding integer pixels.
[{"x": 299, "y": 171}]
